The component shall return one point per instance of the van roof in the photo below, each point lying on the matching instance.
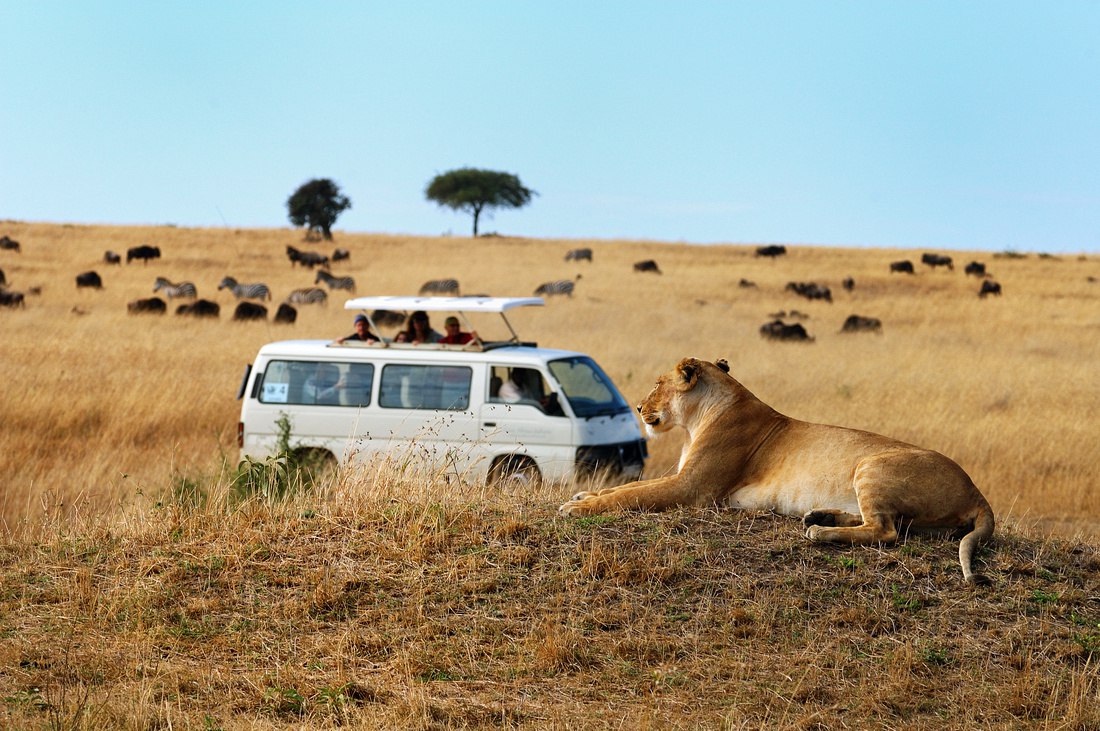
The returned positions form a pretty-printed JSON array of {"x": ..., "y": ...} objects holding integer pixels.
[
  {"x": 438, "y": 304},
  {"x": 326, "y": 348}
]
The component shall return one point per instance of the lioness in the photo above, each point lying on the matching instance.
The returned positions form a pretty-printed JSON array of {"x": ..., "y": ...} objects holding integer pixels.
[{"x": 849, "y": 486}]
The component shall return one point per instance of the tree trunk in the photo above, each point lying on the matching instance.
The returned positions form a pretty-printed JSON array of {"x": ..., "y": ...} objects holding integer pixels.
[{"x": 477, "y": 214}]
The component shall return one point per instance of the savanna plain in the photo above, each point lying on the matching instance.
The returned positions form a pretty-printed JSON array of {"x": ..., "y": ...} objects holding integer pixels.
[{"x": 140, "y": 590}]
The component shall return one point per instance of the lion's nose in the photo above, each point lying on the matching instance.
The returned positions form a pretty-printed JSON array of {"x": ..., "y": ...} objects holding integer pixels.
[{"x": 638, "y": 408}]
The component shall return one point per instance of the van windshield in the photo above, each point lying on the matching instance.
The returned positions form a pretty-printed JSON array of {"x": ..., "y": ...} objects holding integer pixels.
[{"x": 588, "y": 389}]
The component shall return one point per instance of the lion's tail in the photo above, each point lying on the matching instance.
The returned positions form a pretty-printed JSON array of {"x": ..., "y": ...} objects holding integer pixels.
[{"x": 983, "y": 529}]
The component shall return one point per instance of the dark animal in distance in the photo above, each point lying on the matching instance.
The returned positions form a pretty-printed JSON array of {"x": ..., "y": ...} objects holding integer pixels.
[
  {"x": 286, "y": 314},
  {"x": 250, "y": 311},
  {"x": 810, "y": 290},
  {"x": 333, "y": 282},
  {"x": 341, "y": 254},
  {"x": 89, "y": 279},
  {"x": 560, "y": 286},
  {"x": 3, "y": 279},
  {"x": 255, "y": 291},
  {"x": 778, "y": 330},
  {"x": 171, "y": 290},
  {"x": 579, "y": 255},
  {"x": 9, "y": 244},
  {"x": 111, "y": 257},
  {"x": 989, "y": 287},
  {"x": 305, "y": 258},
  {"x": 937, "y": 260},
  {"x": 440, "y": 286},
  {"x": 649, "y": 265},
  {"x": 856, "y": 323},
  {"x": 772, "y": 250},
  {"x": 11, "y": 299},
  {"x": 150, "y": 305},
  {"x": 976, "y": 268},
  {"x": 848, "y": 283},
  {"x": 746, "y": 284},
  {"x": 308, "y": 296},
  {"x": 200, "y": 308},
  {"x": 144, "y": 252},
  {"x": 904, "y": 266},
  {"x": 387, "y": 318}
]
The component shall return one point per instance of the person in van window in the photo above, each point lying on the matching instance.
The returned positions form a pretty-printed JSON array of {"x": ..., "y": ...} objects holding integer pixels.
[
  {"x": 420, "y": 330},
  {"x": 323, "y": 387},
  {"x": 522, "y": 386},
  {"x": 454, "y": 335},
  {"x": 362, "y": 332}
]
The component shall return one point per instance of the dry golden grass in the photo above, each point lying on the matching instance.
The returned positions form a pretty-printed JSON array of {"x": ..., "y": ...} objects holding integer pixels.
[
  {"x": 373, "y": 602},
  {"x": 103, "y": 410}
]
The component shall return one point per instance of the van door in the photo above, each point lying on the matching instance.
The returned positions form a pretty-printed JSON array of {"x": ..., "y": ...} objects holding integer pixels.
[{"x": 522, "y": 416}]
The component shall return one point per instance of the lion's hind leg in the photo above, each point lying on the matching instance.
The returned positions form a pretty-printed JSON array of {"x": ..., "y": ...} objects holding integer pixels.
[{"x": 869, "y": 530}]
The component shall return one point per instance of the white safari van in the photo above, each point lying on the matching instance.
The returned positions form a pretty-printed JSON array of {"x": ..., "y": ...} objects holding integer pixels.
[{"x": 487, "y": 411}]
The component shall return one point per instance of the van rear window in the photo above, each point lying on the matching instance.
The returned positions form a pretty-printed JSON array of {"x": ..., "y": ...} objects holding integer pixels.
[
  {"x": 425, "y": 387},
  {"x": 326, "y": 383}
]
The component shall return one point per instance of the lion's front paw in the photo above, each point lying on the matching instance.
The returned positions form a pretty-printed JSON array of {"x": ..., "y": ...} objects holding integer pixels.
[{"x": 583, "y": 503}]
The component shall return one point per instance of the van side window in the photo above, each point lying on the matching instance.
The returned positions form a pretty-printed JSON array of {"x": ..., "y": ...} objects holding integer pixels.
[
  {"x": 425, "y": 387},
  {"x": 310, "y": 383}
]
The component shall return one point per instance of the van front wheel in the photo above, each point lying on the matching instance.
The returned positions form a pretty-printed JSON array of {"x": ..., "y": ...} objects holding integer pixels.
[{"x": 514, "y": 473}]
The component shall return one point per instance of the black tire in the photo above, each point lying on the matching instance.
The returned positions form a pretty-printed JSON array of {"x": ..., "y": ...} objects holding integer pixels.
[{"x": 514, "y": 473}]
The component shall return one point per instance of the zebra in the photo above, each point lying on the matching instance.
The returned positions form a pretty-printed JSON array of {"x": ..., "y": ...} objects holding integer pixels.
[
  {"x": 257, "y": 291},
  {"x": 579, "y": 255},
  {"x": 183, "y": 289},
  {"x": 347, "y": 283},
  {"x": 308, "y": 296},
  {"x": 440, "y": 286},
  {"x": 561, "y": 286}
]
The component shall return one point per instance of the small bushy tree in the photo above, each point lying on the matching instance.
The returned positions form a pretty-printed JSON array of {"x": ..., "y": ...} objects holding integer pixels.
[
  {"x": 317, "y": 204},
  {"x": 473, "y": 190}
]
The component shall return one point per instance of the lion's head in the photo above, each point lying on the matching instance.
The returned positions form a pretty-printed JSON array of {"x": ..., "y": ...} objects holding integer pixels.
[{"x": 676, "y": 395}]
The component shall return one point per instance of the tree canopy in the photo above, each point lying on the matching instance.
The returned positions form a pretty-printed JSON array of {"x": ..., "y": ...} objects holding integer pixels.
[
  {"x": 473, "y": 190},
  {"x": 317, "y": 204}
]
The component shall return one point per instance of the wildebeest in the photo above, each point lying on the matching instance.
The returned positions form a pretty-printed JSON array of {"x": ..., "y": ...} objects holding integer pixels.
[
  {"x": 11, "y": 299},
  {"x": 9, "y": 244},
  {"x": 810, "y": 290},
  {"x": 334, "y": 282},
  {"x": 649, "y": 265},
  {"x": 286, "y": 314},
  {"x": 989, "y": 287},
  {"x": 308, "y": 296},
  {"x": 3, "y": 279},
  {"x": 579, "y": 255},
  {"x": 143, "y": 252},
  {"x": 183, "y": 289},
  {"x": 778, "y": 330},
  {"x": 746, "y": 284},
  {"x": 250, "y": 311},
  {"x": 340, "y": 254},
  {"x": 772, "y": 250},
  {"x": 200, "y": 308},
  {"x": 976, "y": 268},
  {"x": 937, "y": 260},
  {"x": 856, "y": 323},
  {"x": 255, "y": 291},
  {"x": 387, "y": 318},
  {"x": 848, "y": 283},
  {"x": 150, "y": 305},
  {"x": 306, "y": 258},
  {"x": 904, "y": 266},
  {"x": 111, "y": 257},
  {"x": 89, "y": 279},
  {"x": 440, "y": 286},
  {"x": 561, "y": 286}
]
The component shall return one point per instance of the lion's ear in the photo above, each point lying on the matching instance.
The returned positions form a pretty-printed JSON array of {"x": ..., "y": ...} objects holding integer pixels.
[
  {"x": 689, "y": 371},
  {"x": 722, "y": 365}
]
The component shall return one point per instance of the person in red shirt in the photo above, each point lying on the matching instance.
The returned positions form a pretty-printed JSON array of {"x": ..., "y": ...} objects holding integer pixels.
[{"x": 454, "y": 335}]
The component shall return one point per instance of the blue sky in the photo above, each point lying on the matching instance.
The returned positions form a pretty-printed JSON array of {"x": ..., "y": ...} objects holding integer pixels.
[{"x": 965, "y": 125}]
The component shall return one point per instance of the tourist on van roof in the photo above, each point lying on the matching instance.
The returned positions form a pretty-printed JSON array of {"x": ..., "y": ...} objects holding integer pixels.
[
  {"x": 362, "y": 332},
  {"x": 454, "y": 335},
  {"x": 420, "y": 330}
]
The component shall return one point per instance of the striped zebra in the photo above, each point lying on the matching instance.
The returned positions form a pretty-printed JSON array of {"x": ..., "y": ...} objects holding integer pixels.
[
  {"x": 440, "y": 286},
  {"x": 257, "y": 291},
  {"x": 347, "y": 283},
  {"x": 183, "y": 289},
  {"x": 561, "y": 286},
  {"x": 308, "y": 296}
]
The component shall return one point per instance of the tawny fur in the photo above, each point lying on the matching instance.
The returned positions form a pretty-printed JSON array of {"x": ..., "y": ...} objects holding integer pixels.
[{"x": 849, "y": 486}]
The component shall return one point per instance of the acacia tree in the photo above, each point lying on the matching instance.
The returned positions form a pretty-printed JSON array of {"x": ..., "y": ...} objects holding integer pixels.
[
  {"x": 473, "y": 190},
  {"x": 317, "y": 204}
]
